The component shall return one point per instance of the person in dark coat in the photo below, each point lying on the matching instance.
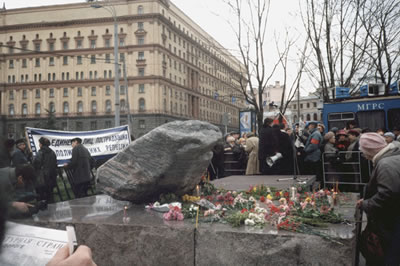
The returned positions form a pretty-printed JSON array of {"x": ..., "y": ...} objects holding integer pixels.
[
  {"x": 268, "y": 145},
  {"x": 19, "y": 156},
  {"x": 45, "y": 164},
  {"x": 284, "y": 166},
  {"x": 312, "y": 160},
  {"x": 381, "y": 200},
  {"x": 80, "y": 165},
  {"x": 216, "y": 167}
]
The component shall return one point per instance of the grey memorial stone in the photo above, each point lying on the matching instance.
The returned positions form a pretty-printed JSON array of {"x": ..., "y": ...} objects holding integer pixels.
[{"x": 170, "y": 158}]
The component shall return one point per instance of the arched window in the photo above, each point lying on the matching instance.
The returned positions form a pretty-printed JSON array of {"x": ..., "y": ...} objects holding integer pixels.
[
  {"x": 52, "y": 108},
  {"x": 122, "y": 105},
  {"x": 94, "y": 106},
  {"x": 140, "y": 9},
  {"x": 79, "y": 107},
  {"x": 108, "y": 106},
  {"x": 11, "y": 110},
  {"x": 315, "y": 117},
  {"x": 24, "y": 108},
  {"x": 37, "y": 108},
  {"x": 308, "y": 117},
  {"x": 65, "y": 107},
  {"x": 142, "y": 104}
]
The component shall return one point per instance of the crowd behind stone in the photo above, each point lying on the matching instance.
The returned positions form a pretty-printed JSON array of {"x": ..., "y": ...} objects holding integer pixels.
[{"x": 305, "y": 149}]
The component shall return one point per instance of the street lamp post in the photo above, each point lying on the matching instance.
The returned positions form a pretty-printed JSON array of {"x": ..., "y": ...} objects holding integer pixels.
[{"x": 113, "y": 12}]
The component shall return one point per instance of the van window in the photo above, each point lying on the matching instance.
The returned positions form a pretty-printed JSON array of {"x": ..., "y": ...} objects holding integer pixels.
[{"x": 371, "y": 119}]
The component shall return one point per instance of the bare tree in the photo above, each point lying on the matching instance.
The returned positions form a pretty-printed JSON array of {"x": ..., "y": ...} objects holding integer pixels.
[
  {"x": 338, "y": 43},
  {"x": 251, "y": 37},
  {"x": 381, "y": 22}
]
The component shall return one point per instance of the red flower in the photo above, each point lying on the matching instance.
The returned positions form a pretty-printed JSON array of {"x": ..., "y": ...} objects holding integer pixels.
[
  {"x": 262, "y": 199},
  {"x": 273, "y": 208},
  {"x": 244, "y": 210},
  {"x": 286, "y": 194},
  {"x": 277, "y": 194}
]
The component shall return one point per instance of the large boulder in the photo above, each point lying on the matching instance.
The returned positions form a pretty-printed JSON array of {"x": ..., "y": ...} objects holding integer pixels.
[{"x": 170, "y": 158}]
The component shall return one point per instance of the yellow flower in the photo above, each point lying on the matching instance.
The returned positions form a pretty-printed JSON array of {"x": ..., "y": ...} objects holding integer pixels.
[
  {"x": 269, "y": 197},
  {"x": 281, "y": 193},
  {"x": 254, "y": 188},
  {"x": 308, "y": 199}
]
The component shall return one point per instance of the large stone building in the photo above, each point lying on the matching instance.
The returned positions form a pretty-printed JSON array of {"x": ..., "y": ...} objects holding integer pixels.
[{"x": 60, "y": 58}]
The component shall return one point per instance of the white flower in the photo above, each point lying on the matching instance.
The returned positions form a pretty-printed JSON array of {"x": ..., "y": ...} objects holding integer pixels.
[
  {"x": 249, "y": 222},
  {"x": 156, "y": 204},
  {"x": 252, "y": 199}
]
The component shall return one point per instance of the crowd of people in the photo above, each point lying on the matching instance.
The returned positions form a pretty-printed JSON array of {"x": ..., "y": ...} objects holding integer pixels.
[{"x": 375, "y": 156}]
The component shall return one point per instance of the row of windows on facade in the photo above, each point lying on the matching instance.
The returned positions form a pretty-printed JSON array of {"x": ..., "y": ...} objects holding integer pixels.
[
  {"x": 66, "y": 76},
  {"x": 308, "y": 117},
  {"x": 79, "y": 107},
  {"x": 93, "y": 92},
  {"x": 308, "y": 105},
  {"x": 93, "y": 59}
]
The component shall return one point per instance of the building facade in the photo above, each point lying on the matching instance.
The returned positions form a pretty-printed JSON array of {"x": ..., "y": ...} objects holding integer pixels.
[
  {"x": 310, "y": 109},
  {"x": 59, "y": 60}
]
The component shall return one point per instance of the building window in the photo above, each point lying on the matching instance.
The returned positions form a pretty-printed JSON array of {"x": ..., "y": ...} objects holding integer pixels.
[
  {"x": 24, "y": 94},
  {"x": 315, "y": 117},
  {"x": 24, "y": 63},
  {"x": 141, "y": 88},
  {"x": 122, "y": 105},
  {"x": 65, "y": 107},
  {"x": 93, "y": 125},
  {"x": 37, "y": 47},
  {"x": 315, "y": 105},
  {"x": 93, "y": 59},
  {"x": 79, "y": 44},
  {"x": 140, "y": 40},
  {"x": 51, "y": 46},
  {"x": 308, "y": 105},
  {"x": 122, "y": 90},
  {"x": 140, "y": 26},
  {"x": 51, "y": 61},
  {"x": 37, "y": 108},
  {"x": 108, "y": 106},
  {"x": 108, "y": 90},
  {"x": 79, "y": 60},
  {"x": 142, "y": 105},
  {"x": 108, "y": 124},
  {"x": 11, "y": 110},
  {"x": 79, "y": 107},
  {"x": 94, "y": 106},
  {"x": 93, "y": 91},
  {"x": 24, "y": 109},
  {"x": 65, "y": 60},
  {"x": 79, "y": 125},
  {"x": 308, "y": 117},
  {"x": 65, "y": 92},
  {"x": 142, "y": 124},
  {"x": 65, "y": 45},
  {"x": 301, "y": 106},
  {"x": 79, "y": 92},
  {"x": 109, "y": 74},
  {"x": 52, "y": 107},
  {"x": 37, "y": 62},
  {"x": 122, "y": 57},
  {"x": 108, "y": 58},
  {"x": 92, "y": 44},
  {"x": 51, "y": 92},
  {"x": 141, "y": 71},
  {"x": 37, "y": 93},
  {"x": 11, "y": 95},
  {"x": 107, "y": 43},
  {"x": 141, "y": 56},
  {"x": 140, "y": 9},
  {"x": 122, "y": 42},
  {"x": 82, "y": 75}
]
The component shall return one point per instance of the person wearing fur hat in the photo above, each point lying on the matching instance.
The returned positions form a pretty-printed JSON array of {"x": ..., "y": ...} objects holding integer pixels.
[
  {"x": 19, "y": 156},
  {"x": 342, "y": 142},
  {"x": 381, "y": 201}
]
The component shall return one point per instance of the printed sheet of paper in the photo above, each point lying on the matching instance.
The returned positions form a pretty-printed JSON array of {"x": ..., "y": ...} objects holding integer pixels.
[{"x": 25, "y": 245}]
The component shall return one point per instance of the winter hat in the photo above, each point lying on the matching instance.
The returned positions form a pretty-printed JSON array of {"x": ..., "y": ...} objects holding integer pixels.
[
  {"x": 354, "y": 132},
  {"x": 371, "y": 143},
  {"x": 341, "y": 132},
  {"x": 389, "y": 134},
  {"x": 329, "y": 135}
]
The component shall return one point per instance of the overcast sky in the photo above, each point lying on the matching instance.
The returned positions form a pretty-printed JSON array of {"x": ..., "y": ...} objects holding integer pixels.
[{"x": 212, "y": 16}]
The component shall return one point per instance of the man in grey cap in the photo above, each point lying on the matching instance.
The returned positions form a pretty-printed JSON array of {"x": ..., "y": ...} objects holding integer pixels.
[{"x": 80, "y": 165}]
